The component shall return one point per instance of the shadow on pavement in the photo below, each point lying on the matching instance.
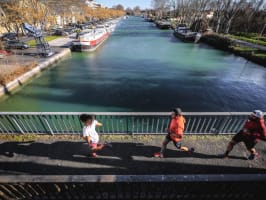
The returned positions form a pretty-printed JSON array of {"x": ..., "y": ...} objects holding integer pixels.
[{"x": 69, "y": 157}]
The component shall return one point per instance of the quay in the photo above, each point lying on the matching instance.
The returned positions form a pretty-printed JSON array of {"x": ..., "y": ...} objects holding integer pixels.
[{"x": 29, "y": 57}]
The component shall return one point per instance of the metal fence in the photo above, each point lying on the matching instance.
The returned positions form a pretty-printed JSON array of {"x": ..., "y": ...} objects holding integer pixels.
[
  {"x": 119, "y": 123},
  {"x": 198, "y": 187}
]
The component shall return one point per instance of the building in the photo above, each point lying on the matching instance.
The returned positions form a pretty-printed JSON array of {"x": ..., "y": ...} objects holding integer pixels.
[{"x": 93, "y": 4}]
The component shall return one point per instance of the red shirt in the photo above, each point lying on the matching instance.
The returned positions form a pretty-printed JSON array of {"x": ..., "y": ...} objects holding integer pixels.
[
  {"x": 256, "y": 128},
  {"x": 177, "y": 125}
]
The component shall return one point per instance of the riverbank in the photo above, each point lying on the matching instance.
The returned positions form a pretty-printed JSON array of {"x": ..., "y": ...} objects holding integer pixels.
[
  {"x": 247, "y": 50},
  {"x": 22, "y": 65}
]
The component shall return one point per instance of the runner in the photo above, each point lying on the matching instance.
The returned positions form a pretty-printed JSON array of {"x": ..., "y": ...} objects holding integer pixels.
[
  {"x": 252, "y": 131},
  {"x": 90, "y": 134},
  {"x": 175, "y": 133}
]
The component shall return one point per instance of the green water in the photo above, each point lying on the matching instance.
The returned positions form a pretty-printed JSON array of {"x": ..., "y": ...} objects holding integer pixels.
[{"x": 142, "y": 68}]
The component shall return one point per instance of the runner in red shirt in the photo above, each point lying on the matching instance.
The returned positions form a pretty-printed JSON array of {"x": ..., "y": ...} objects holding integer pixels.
[
  {"x": 175, "y": 132},
  {"x": 253, "y": 130}
]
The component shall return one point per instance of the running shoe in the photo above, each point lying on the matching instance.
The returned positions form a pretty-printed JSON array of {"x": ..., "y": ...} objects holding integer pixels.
[
  {"x": 93, "y": 155},
  {"x": 158, "y": 155},
  {"x": 253, "y": 156}
]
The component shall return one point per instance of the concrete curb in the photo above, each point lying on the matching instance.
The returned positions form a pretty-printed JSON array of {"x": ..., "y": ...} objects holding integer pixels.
[
  {"x": 36, "y": 70},
  {"x": 132, "y": 178}
]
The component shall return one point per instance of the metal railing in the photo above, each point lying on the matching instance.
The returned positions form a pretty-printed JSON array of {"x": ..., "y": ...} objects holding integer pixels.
[
  {"x": 119, "y": 123},
  {"x": 200, "y": 187}
]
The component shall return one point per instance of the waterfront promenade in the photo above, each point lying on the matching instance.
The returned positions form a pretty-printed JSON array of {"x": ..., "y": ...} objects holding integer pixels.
[{"x": 22, "y": 65}]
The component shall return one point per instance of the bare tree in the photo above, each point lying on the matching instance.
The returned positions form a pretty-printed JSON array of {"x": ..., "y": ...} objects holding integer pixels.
[{"x": 160, "y": 7}]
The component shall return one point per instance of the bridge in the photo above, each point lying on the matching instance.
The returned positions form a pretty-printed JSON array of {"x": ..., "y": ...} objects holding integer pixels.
[{"x": 59, "y": 168}]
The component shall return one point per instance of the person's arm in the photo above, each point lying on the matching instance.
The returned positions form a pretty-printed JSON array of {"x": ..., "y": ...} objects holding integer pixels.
[
  {"x": 263, "y": 133},
  {"x": 99, "y": 124}
]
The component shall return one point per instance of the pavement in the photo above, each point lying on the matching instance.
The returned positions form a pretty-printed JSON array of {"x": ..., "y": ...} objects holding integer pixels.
[
  {"x": 248, "y": 44},
  {"x": 11, "y": 64},
  {"x": 127, "y": 157},
  {"x": 63, "y": 42}
]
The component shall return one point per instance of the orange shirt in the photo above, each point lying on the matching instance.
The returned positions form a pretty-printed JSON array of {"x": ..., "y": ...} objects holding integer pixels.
[{"x": 177, "y": 125}]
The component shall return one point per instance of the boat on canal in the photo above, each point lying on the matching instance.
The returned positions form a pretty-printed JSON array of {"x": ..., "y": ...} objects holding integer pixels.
[
  {"x": 186, "y": 35},
  {"x": 163, "y": 24},
  {"x": 90, "y": 40}
]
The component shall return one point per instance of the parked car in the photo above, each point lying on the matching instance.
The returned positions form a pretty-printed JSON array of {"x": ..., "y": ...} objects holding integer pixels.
[
  {"x": 9, "y": 36},
  {"x": 82, "y": 26},
  {"x": 16, "y": 44},
  {"x": 4, "y": 53},
  {"x": 69, "y": 30},
  {"x": 61, "y": 32}
]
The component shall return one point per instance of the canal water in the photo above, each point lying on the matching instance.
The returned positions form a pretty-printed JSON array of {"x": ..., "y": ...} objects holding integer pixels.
[{"x": 143, "y": 68}]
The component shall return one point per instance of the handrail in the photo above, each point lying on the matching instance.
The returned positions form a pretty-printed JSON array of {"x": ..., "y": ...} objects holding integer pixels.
[{"x": 119, "y": 122}]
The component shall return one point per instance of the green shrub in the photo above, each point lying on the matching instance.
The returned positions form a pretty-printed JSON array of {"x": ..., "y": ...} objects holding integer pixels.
[{"x": 32, "y": 43}]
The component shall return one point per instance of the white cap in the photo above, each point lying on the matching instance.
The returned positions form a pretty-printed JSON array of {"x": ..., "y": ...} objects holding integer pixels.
[{"x": 257, "y": 113}]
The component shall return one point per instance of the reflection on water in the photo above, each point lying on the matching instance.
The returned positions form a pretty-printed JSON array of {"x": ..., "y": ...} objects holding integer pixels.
[{"x": 142, "y": 68}]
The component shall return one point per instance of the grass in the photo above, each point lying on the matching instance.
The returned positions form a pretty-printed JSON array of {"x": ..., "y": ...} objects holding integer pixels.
[
  {"x": 254, "y": 40},
  {"x": 240, "y": 48},
  {"x": 32, "y": 43},
  {"x": 226, "y": 43},
  {"x": 110, "y": 138},
  {"x": 260, "y": 55}
]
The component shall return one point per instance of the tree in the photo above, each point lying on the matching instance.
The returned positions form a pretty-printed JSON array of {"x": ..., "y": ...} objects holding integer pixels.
[
  {"x": 129, "y": 11},
  {"x": 118, "y": 7},
  {"x": 136, "y": 10},
  {"x": 161, "y": 7}
]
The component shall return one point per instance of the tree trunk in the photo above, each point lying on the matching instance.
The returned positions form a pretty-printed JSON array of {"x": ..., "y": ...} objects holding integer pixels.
[
  {"x": 218, "y": 25},
  {"x": 261, "y": 33},
  {"x": 228, "y": 25}
]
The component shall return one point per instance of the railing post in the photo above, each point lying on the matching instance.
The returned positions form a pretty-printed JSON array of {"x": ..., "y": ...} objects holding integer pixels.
[
  {"x": 223, "y": 124},
  {"x": 127, "y": 124},
  {"x": 16, "y": 123},
  {"x": 43, "y": 118}
]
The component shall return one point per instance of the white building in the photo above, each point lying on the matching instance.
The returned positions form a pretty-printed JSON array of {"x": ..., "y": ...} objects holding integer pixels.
[
  {"x": 93, "y": 4},
  {"x": 61, "y": 21}
]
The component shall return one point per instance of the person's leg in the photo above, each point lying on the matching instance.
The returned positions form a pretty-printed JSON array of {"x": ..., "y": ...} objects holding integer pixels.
[
  {"x": 164, "y": 144},
  {"x": 229, "y": 147},
  {"x": 236, "y": 139},
  {"x": 163, "y": 147},
  {"x": 178, "y": 145},
  {"x": 250, "y": 144},
  {"x": 93, "y": 149}
]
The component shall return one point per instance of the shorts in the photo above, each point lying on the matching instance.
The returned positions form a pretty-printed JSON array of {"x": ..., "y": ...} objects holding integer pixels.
[
  {"x": 93, "y": 145},
  {"x": 249, "y": 141},
  {"x": 177, "y": 144}
]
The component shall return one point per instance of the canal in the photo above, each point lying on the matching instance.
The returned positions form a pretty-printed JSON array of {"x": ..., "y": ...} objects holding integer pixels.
[{"x": 142, "y": 68}]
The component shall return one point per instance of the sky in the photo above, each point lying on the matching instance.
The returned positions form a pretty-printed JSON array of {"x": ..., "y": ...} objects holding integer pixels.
[{"x": 126, "y": 3}]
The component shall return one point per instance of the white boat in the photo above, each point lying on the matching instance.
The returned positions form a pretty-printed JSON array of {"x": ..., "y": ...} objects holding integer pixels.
[{"x": 90, "y": 40}]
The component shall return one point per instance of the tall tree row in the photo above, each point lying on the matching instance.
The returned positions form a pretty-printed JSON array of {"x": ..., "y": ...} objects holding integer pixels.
[
  {"x": 228, "y": 15},
  {"x": 43, "y": 13}
]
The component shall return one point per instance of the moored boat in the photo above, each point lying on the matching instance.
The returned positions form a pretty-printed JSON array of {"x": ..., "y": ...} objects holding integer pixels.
[
  {"x": 185, "y": 34},
  {"x": 163, "y": 24},
  {"x": 90, "y": 40}
]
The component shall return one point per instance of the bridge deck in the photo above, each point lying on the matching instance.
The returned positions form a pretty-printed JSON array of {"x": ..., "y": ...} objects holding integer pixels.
[{"x": 61, "y": 155}]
